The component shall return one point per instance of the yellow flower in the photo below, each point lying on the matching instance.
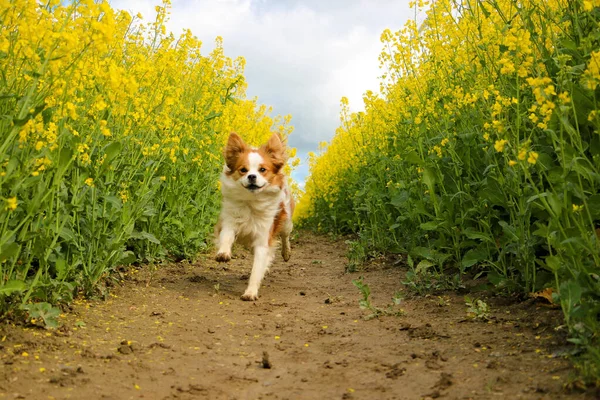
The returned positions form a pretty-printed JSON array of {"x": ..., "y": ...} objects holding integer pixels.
[
  {"x": 11, "y": 203},
  {"x": 564, "y": 97},
  {"x": 89, "y": 182},
  {"x": 500, "y": 144},
  {"x": 577, "y": 208},
  {"x": 591, "y": 75},
  {"x": 512, "y": 163},
  {"x": 533, "y": 156},
  {"x": 522, "y": 154}
]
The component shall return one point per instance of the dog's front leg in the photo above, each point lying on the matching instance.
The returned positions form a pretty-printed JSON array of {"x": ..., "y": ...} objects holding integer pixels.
[
  {"x": 226, "y": 239},
  {"x": 262, "y": 259}
]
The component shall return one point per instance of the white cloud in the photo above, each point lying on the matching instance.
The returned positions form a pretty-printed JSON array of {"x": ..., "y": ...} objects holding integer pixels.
[{"x": 302, "y": 56}]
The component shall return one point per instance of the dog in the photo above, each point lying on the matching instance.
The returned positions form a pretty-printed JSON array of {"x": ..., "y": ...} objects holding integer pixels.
[{"x": 257, "y": 205}]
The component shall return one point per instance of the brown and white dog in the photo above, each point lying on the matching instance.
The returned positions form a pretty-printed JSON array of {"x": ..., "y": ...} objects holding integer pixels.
[{"x": 257, "y": 205}]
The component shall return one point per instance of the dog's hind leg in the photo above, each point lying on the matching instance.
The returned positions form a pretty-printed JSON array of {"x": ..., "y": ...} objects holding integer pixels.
[{"x": 286, "y": 248}]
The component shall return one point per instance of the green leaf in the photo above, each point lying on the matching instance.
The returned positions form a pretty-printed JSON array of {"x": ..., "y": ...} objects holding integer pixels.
[
  {"x": 12, "y": 286},
  {"x": 429, "y": 226},
  {"x": 112, "y": 151},
  {"x": 128, "y": 257},
  {"x": 423, "y": 265},
  {"x": 492, "y": 192},
  {"x": 61, "y": 268},
  {"x": 66, "y": 155},
  {"x": 400, "y": 199},
  {"x": 424, "y": 252},
  {"x": 413, "y": 158},
  {"x": 473, "y": 256},
  {"x": 429, "y": 178},
  {"x": 67, "y": 234},
  {"x": 9, "y": 250},
  {"x": 509, "y": 231},
  {"x": 544, "y": 162},
  {"x": 570, "y": 293},
  {"x": 593, "y": 205},
  {"x": 212, "y": 115},
  {"x": 473, "y": 234},
  {"x": 145, "y": 236},
  {"x": 555, "y": 203},
  {"x": 45, "y": 311}
]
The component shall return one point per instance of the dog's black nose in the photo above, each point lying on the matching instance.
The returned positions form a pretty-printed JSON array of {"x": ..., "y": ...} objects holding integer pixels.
[{"x": 252, "y": 178}]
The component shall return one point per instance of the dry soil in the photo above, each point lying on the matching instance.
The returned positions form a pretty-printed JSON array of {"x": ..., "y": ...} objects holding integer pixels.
[{"x": 181, "y": 332}]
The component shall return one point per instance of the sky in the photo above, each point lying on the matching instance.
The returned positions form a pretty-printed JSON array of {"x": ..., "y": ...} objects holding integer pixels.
[{"x": 301, "y": 56}]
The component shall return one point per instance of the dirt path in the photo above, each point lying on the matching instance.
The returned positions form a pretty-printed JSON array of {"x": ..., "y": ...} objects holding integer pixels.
[{"x": 182, "y": 333}]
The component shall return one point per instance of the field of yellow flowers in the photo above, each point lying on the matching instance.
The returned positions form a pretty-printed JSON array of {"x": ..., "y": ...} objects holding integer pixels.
[
  {"x": 110, "y": 150},
  {"x": 480, "y": 155}
]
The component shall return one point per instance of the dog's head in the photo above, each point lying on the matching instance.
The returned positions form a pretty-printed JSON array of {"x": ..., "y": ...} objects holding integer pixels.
[{"x": 255, "y": 169}]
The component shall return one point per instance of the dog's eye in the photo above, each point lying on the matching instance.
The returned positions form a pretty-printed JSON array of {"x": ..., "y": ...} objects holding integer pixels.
[
  {"x": 243, "y": 170},
  {"x": 262, "y": 170}
]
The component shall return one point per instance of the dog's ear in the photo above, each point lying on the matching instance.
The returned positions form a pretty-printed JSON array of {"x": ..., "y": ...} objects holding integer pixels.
[
  {"x": 275, "y": 148},
  {"x": 235, "y": 146}
]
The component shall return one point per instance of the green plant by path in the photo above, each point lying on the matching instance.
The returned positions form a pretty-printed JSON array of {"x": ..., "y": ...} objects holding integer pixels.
[
  {"x": 480, "y": 155},
  {"x": 111, "y": 131}
]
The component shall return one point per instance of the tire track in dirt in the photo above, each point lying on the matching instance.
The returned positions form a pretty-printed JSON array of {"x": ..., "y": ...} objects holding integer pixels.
[{"x": 181, "y": 332}]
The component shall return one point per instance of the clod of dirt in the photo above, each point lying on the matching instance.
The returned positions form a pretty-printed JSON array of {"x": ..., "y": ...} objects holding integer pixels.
[
  {"x": 69, "y": 370},
  {"x": 197, "y": 279},
  {"x": 444, "y": 382},
  {"x": 436, "y": 354},
  {"x": 265, "y": 363},
  {"x": 433, "y": 395},
  {"x": 432, "y": 364},
  {"x": 425, "y": 332},
  {"x": 404, "y": 327},
  {"x": 127, "y": 347},
  {"x": 211, "y": 330},
  {"x": 161, "y": 345},
  {"x": 395, "y": 371}
]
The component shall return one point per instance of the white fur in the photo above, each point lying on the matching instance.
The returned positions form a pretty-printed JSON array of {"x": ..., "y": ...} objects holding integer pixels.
[
  {"x": 254, "y": 162},
  {"x": 247, "y": 217}
]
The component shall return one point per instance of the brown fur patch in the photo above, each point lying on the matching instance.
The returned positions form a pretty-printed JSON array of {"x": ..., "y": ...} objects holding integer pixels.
[
  {"x": 275, "y": 156},
  {"x": 278, "y": 222},
  {"x": 274, "y": 150},
  {"x": 292, "y": 202},
  {"x": 234, "y": 151}
]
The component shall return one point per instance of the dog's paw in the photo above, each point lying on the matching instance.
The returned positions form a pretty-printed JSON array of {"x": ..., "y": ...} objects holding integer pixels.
[
  {"x": 223, "y": 257},
  {"x": 250, "y": 296},
  {"x": 286, "y": 255}
]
